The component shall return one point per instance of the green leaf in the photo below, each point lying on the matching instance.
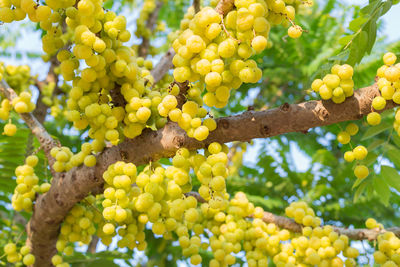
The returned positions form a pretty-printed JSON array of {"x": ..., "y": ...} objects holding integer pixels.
[
  {"x": 375, "y": 130},
  {"x": 356, "y": 24},
  {"x": 357, "y": 183},
  {"x": 371, "y": 28},
  {"x": 358, "y": 48},
  {"x": 377, "y": 143},
  {"x": 391, "y": 176},
  {"x": 360, "y": 189},
  {"x": 382, "y": 189},
  {"x": 370, "y": 159},
  {"x": 386, "y": 7},
  {"x": 345, "y": 39},
  {"x": 393, "y": 155},
  {"x": 396, "y": 140}
]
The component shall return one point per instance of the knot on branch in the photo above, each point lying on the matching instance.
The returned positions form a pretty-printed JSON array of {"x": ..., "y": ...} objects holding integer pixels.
[
  {"x": 285, "y": 107},
  {"x": 224, "y": 123},
  {"x": 178, "y": 141},
  {"x": 265, "y": 130}
]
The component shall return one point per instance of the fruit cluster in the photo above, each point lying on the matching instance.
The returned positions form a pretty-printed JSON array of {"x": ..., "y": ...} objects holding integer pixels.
[
  {"x": 79, "y": 226},
  {"x": 389, "y": 86},
  {"x": 66, "y": 160},
  {"x": 388, "y": 253},
  {"x": 24, "y": 255},
  {"x": 27, "y": 185},
  {"x": 337, "y": 85}
]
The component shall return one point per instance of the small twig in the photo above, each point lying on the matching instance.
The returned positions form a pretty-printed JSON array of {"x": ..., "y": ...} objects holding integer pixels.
[
  {"x": 226, "y": 31},
  {"x": 196, "y": 6}
]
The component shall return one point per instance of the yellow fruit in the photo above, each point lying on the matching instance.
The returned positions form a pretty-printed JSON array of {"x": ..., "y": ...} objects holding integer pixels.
[
  {"x": 343, "y": 137},
  {"x": 9, "y": 129},
  {"x": 361, "y": 171},
  {"x": 295, "y": 31}
]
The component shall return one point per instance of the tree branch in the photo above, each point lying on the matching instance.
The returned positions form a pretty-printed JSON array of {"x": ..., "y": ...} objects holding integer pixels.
[
  {"x": 355, "y": 234},
  {"x": 93, "y": 244},
  {"x": 163, "y": 66},
  {"x": 45, "y": 140},
  {"x": 224, "y": 6},
  {"x": 73, "y": 186},
  {"x": 151, "y": 23},
  {"x": 196, "y": 6}
]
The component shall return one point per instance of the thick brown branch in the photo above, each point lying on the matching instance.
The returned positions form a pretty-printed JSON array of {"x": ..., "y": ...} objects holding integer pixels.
[
  {"x": 151, "y": 23},
  {"x": 45, "y": 140},
  {"x": 243, "y": 127},
  {"x": 73, "y": 186}
]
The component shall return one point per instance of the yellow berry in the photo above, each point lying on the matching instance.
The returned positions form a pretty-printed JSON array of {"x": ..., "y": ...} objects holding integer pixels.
[
  {"x": 389, "y": 58},
  {"x": 352, "y": 128},
  {"x": 361, "y": 171},
  {"x": 343, "y": 137},
  {"x": 348, "y": 156},
  {"x": 360, "y": 152},
  {"x": 378, "y": 103},
  {"x": 10, "y": 129},
  {"x": 374, "y": 118},
  {"x": 371, "y": 223},
  {"x": 295, "y": 31}
]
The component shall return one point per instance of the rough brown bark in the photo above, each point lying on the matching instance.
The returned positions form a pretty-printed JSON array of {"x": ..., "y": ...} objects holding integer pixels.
[
  {"x": 50, "y": 210},
  {"x": 150, "y": 24}
]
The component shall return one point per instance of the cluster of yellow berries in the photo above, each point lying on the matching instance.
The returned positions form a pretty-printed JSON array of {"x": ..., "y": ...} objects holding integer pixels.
[
  {"x": 66, "y": 160},
  {"x": 389, "y": 86},
  {"x": 302, "y": 214},
  {"x": 27, "y": 185},
  {"x": 316, "y": 245},
  {"x": 24, "y": 256},
  {"x": 18, "y": 77},
  {"x": 22, "y": 103},
  {"x": 337, "y": 85},
  {"x": 141, "y": 23},
  {"x": 388, "y": 253},
  {"x": 123, "y": 201},
  {"x": 9, "y": 128},
  {"x": 79, "y": 226},
  {"x": 212, "y": 172},
  {"x": 214, "y": 52},
  {"x": 358, "y": 153},
  {"x": 189, "y": 117}
]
